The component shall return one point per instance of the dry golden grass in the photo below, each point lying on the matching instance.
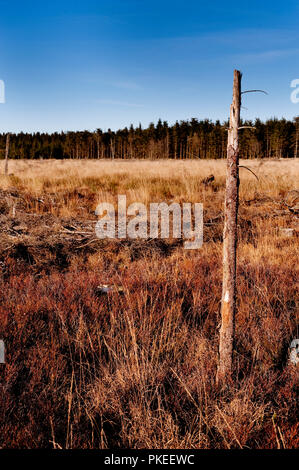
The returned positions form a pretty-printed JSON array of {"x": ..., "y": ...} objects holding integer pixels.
[
  {"x": 137, "y": 370},
  {"x": 37, "y": 175},
  {"x": 144, "y": 181}
]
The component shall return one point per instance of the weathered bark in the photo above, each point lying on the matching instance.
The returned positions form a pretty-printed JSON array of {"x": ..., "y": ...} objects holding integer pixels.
[
  {"x": 296, "y": 137},
  {"x": 6, "y": 154},
  {"x": 228, "y": 303}
]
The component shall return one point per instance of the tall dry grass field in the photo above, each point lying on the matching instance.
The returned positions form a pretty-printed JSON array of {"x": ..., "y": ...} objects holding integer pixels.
[{"x": 136, "y": 369}]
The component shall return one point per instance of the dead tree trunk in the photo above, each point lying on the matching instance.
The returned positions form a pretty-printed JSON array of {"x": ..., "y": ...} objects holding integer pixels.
[
  {"x": 6, "y": 154},
  {"x": 228, "y": 303},
  {"x": 296, "y": 137}
]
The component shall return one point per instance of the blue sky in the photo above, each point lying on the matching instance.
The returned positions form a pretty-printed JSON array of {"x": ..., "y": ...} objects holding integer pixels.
[{"x": 74, "y": 65}]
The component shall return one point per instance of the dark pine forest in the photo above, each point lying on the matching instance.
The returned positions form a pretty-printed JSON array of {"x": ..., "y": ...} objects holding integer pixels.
[{"x": 184, "y": 140}]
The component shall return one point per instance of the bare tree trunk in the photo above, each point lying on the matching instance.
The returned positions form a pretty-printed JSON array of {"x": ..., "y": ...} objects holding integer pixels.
[
  {"x": 112, "y": 145},
  {"x": 6, "y": 154},
  {"x": 228, "y": 303}
]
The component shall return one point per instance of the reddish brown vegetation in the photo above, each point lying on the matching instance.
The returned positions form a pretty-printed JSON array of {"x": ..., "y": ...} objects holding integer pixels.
[{"x": 137, "y": 369}]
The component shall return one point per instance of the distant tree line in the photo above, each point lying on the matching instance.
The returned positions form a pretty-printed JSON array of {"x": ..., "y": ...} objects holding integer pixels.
[{"x": 275, "y": 138}]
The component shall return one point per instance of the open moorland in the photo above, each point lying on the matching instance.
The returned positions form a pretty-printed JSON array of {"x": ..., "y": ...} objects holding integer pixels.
[{"x": 135, "y": 368}]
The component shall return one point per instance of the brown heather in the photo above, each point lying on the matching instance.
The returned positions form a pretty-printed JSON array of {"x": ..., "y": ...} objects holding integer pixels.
[{"x": 137, "y": 369}]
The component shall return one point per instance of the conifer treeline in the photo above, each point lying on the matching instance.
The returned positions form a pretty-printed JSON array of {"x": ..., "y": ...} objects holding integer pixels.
[{"x": 184, "y": 140}]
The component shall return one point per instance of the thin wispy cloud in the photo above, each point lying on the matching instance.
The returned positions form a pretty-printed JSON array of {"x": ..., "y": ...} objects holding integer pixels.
[
  {"x": 244, "y": 37},
  {"x": 145, "y": 61},
  {"x": 266, "y": 55},
  {"x": 127, "y": 85},
  {"x": 252, "y": 44},
  {"x": 119, "y": 103}
]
